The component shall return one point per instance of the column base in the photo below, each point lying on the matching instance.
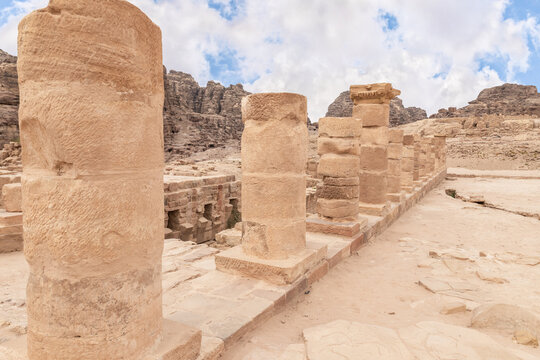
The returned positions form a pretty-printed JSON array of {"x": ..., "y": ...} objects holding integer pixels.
[
  {"x": 348, "y": 228},
  {"x": 408, "y": 189},
  {"x": 396, "y": 197},
  {"x": 374, "y": 209},
  {"x": 279, "y": 272},
  {"x": 179, "y": 342}
]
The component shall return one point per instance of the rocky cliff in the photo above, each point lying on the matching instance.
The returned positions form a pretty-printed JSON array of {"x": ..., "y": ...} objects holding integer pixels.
[
  {"x": 195, "y": 118},
  {"x": 399, "y": 115},
  {"x": 507, "y": 99},
  {"x": 198, "y": 118},
  {"x": 9, "y": 98}
]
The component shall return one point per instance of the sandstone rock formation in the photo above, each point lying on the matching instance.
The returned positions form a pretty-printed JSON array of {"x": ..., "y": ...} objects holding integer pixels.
[
  {"x": 9, "y": 98},
  {"x": 507, "y": 99},
  {"x": 195, "y": 118},
  {"x": 399, "y": 115},
  {"x": 198, "y": 118}
]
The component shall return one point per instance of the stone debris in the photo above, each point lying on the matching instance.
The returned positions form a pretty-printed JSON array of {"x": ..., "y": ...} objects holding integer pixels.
[
  {"x": 294, "y": 352},
  {"x": 486, "y": 276},
  {"x": 229, "y": 237},
  {"x": 453, "y": 308},
  {"x": 507, "y": 317}
]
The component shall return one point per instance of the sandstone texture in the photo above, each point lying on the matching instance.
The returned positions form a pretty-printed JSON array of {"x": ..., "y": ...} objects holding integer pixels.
[
  {"x": 94, "y": 288},
  {"x": 9, "y": 98},
  {"x": 399, "y": 115},
  {"x": 507, "y": 99}
]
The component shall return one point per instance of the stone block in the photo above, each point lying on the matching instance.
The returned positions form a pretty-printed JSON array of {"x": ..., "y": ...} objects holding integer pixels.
[
  {"x": 372, "y": 114},
  {"x": 178, "y": 342},
  {"x": 339, "y": 192},
  {"x": 343, "y": 228},
  {"x": 337, "y": 208},
  {"x": 376, "y": 135},
  {"x": 344, "y": 166},
  {"x": 327, "y": 145},
  {"x": 273, "y": 197},
  {"x": 12, "y": 197},
  {"x": 395, "y": 151},
  {"x": 408, "y": 139},
  {"x": 373, "y": 187},
  {"x": 374, "y": 209},
  {"x": 340, "y": 127},
  {"x": 394, "y": 184},
  {"x": 407, "y": 152},
  {"x": 10, "y": 219},
  {"x": 336, "y": 181},
  {"x": 407, "y": 165},
  {"x": 394, "y": 167},
  {"x": 395, "y": 136},
  {"x": 373, "y": 158},
  {"x": 11, "y": 242},
  {"x": 279, "y": 272}
]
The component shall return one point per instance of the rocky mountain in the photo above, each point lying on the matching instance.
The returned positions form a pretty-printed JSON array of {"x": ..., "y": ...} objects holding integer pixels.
[
  {"x": 198, "y": 118},
  {"x": 195, "y": 118},
  {"x": 507, "y": 99},
  {"x": 342, "y": 107},
  {"x": 9, "y": 98}
]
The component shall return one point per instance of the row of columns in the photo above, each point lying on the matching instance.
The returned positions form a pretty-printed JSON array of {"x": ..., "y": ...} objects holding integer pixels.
[
  {"x": 93, "y": 206},
  {"x": 391, "y": 163}
]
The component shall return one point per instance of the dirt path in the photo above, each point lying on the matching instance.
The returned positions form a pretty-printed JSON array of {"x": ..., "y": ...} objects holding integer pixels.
[{"x": 380, "y": 285}]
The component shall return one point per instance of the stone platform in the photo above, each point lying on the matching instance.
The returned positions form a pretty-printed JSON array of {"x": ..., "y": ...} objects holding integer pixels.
[
  {"x": 225, "y": 306},
  {"x": 315, "y": 223}
]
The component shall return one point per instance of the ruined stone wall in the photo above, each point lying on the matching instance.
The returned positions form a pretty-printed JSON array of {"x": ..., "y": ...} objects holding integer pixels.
[{"x": 196, "y": 209}]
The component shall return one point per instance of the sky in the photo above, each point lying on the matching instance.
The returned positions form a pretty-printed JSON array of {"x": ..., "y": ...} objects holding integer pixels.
[{"x": 439, "y": 53}]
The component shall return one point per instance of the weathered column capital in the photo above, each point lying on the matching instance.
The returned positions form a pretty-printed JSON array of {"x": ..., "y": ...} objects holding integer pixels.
[{"x": 380, "y": 93}]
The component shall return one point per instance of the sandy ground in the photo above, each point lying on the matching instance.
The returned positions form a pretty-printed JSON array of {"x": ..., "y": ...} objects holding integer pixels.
[{"x": 380, "y": 284}]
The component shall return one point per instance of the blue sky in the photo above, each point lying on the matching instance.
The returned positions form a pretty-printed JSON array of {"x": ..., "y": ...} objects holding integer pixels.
[{"x": 439, "y": 53}]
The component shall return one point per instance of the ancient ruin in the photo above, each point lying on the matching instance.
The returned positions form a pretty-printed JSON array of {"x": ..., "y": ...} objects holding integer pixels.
[
  {"x": 339, "y": 166},
  {"x": 106, "y": 251},
  {"x": 371, "y": 104},
  {"x": 274, "y": 158},
  {"x": 134, "y": 225},
  {"x": 395, "y": 154}
]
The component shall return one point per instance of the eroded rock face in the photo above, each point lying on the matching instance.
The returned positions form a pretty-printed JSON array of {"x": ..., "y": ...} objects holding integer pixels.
[
  {"x": 9, "y": 98},
  {"x": 507, "y": 99},
  {"x": 198, "y": 118},
  {"x": 399, "y": 115},
  {"x": 195, "y": 118}
]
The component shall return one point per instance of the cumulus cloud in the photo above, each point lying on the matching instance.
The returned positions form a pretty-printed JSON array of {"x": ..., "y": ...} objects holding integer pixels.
[{"x": 439, "y": 53}]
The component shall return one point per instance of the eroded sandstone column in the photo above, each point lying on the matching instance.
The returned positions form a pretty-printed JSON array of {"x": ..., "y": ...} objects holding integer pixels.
[
  {"x": 431, "y": 154},
  {"x": 423, "y": 159},
  {"x": 407, "y": 164},
  {"x": 440, "y": 144},
  {"x": 91, "y": 89},
  {"x": 395, "y": 153},
  {"x": 371, "y": 105},
  {"x": 274, "y": 156},
  {"x": 339, "y": 165}
]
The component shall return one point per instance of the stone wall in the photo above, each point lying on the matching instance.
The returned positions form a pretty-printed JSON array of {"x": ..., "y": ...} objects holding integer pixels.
[{"x": 197, "y": 208}]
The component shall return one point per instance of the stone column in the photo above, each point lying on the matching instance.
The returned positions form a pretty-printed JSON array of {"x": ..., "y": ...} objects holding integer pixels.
[
  {"x": 371, "y": 105},
  {"x": 423, "y": 159},
  {"x": 430, "y": 165},
  {"x": 417, "y": 157},
  {"x": 440, "y": 141},
  {"x": 339, "y": 165},
  {"x": 91, "y": 89},
  {"x": 274, "y": 156},
  {"x": 395, "y": 152},
  {"x": 407, "y": 164}
]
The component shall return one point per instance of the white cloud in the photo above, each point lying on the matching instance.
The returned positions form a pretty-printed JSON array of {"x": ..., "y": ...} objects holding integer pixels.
[{"x": 441, "y": 53}]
